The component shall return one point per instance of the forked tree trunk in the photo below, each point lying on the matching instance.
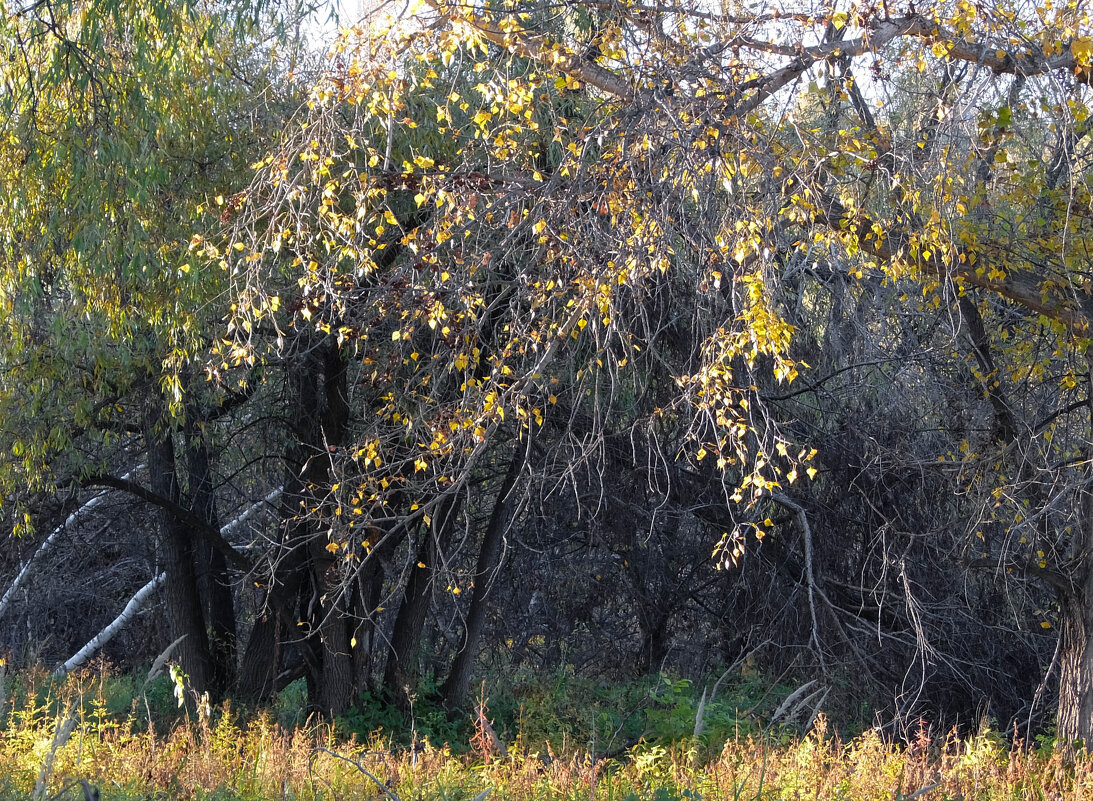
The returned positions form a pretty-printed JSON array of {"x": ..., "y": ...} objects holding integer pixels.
[
  {"x": 319, "y": 412},
  {"x": 260, "y": 666},
  {"x": 459, "y": 678},
  {"x": 400, "y": 673}
]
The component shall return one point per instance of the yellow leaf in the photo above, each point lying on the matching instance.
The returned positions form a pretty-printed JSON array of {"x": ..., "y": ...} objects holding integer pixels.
[{"x": 1082, "y": 50}]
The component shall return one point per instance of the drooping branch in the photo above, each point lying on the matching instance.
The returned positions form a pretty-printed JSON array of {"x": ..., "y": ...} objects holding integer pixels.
[
  {"x": 893, "y": 245},
  {"x": 199, "y": 525}
]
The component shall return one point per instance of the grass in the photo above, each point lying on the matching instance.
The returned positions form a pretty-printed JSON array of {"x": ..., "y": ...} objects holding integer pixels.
[{"x": 127, "y": 739}]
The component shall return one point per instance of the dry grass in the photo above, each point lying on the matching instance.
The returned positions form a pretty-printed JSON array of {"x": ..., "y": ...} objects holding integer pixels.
[{"x": 223, "y": 758}]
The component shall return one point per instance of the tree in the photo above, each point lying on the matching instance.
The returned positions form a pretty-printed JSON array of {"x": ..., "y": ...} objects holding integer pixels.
[
  {"x": 122, "y": 123},
  {"x": 517, "y": 216}
]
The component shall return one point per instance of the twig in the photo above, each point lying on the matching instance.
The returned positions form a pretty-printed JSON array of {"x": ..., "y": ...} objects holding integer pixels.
[{"x": 382, "y": 785}]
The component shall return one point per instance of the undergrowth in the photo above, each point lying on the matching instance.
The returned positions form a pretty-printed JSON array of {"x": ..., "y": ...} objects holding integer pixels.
[{"x": 130, "y": 739}]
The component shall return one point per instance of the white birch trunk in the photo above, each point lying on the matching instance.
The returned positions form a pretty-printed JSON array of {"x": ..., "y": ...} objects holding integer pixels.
[
  {"x": 250, "y": 512},
  {"x": 138, "y": 600},
  {"x": 107, "y": 634}
]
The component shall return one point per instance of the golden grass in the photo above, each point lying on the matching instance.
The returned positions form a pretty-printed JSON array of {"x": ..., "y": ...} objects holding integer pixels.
[
  {"x": 232, "y": 759},
  {"x": 259, "y": 760}
]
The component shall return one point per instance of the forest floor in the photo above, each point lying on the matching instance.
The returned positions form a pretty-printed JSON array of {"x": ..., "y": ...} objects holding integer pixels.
[{"x": 127, "y": 739}]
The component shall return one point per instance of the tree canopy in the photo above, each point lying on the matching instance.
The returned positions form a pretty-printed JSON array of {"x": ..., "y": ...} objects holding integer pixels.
[{"x": 692, "y": 274}]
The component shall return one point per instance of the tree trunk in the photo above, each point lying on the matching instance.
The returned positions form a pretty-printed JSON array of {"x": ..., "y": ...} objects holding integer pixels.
[
  {"x": 1074, "y": 718},
  {"x": 261, "y": 661},
  {"x": 654, "y": 639},
  {"x": 318, "y": 393},
  {"x": 459, "y": 678},
  {"x": 370, "y": 583},
  {"x": 213, "y": 580},
  {"x": 1075, "y": 714},
  {"x": 400, "y": 673},
  {"x": 1074, "y": 724},
  {"x": 184, "y": 616},
  {"x": 330, "y": 626}
]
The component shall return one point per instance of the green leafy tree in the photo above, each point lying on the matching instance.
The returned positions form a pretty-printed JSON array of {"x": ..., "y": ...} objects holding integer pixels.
[{"x": 124, "y": 126}]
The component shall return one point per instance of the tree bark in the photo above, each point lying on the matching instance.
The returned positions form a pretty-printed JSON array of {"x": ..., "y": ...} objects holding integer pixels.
[
  {"x": 184, "y": 616},
  {"x": 258, "y": 671},
  {"x": 1075, "y": 712},
  {"x": 1074, "y": 720},
  {"x": 319, "y": 411},
  {"x": 400, "y": 673},
  {"x": 1074, "y": 715},
  {"x": 330, "y": 625},
  {"x": 459, "y": 677},
  {"x": 213, "y": 580}
]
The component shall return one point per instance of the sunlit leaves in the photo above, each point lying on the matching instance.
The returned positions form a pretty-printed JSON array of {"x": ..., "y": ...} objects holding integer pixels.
[{"x": 510, "y": 215}]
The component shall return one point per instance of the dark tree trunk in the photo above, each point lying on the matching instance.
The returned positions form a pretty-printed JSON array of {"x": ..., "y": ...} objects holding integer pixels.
[
  {"x": 260, "y": 667},
  {"x": 654, "y": 639},
  {"x": 330, "y": 627},
  {"x": 1075, "y": 714},
  {"x": 319, "y": 411},
  {"x": 1074, "y": 717},
  {"x": 213, "y": 580},
  {"x": 184, "y": 615},
  {"x": 400, "y": 673},
  {"x": 370, "y": 583},
  {"x": 459, "y": 678},
  {"x": 1074, "y": 724}
]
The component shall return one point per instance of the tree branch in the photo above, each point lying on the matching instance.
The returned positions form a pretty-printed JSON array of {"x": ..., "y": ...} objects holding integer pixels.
[{"x": 211, "y": 534}]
